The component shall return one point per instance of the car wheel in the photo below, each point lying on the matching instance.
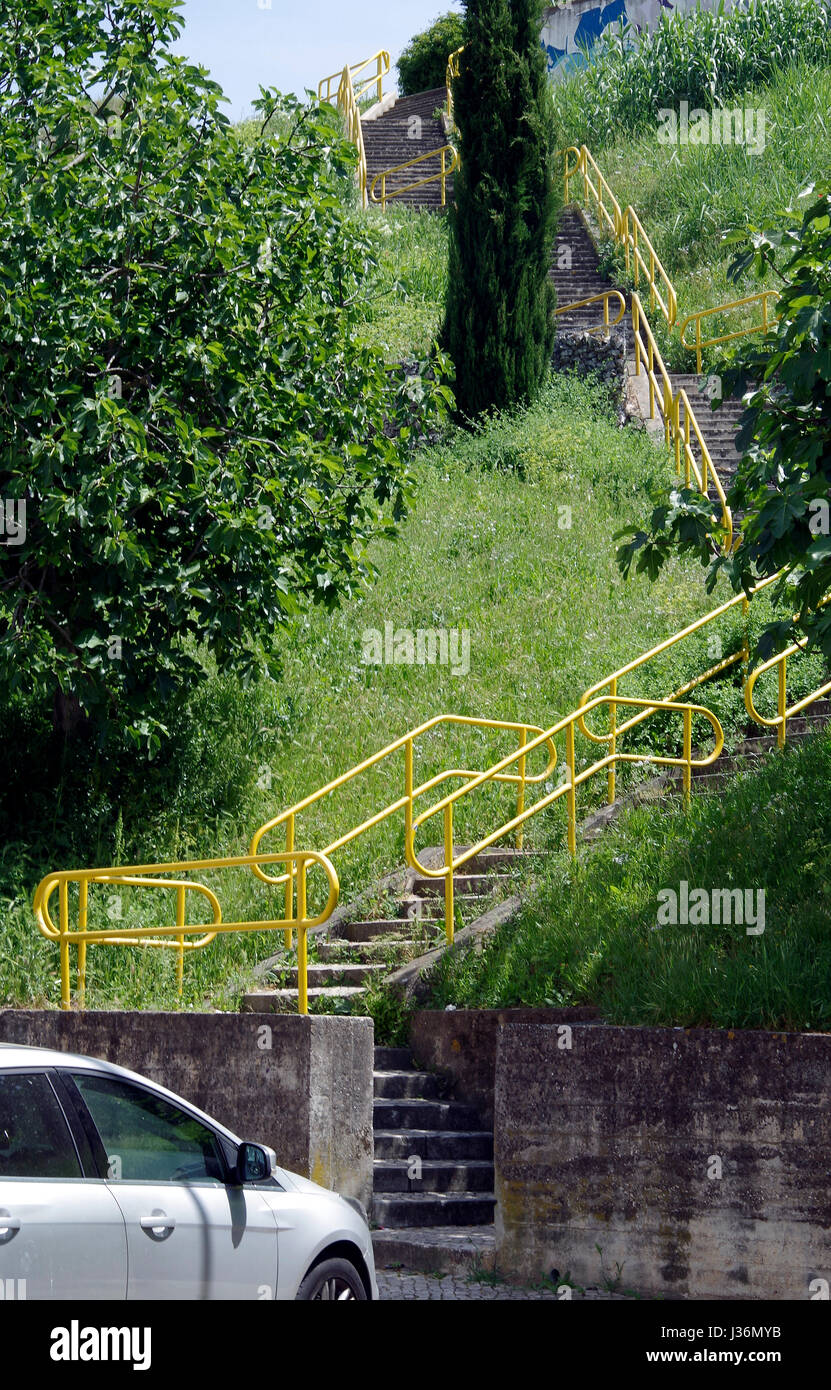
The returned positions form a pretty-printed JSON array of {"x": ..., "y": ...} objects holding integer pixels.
[{"x": 330, "y": 1280}]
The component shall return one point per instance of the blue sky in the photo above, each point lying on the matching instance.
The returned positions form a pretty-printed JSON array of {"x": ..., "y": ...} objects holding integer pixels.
[{"x": 292, "y": 44}]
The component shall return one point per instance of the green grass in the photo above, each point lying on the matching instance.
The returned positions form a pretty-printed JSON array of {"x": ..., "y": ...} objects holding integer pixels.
[
  {"x": 592, "y": 937},
  {"x": 484, "y": 551},
  {"x": 404, "y": 298},
  {"x": 687, "y": 196}
]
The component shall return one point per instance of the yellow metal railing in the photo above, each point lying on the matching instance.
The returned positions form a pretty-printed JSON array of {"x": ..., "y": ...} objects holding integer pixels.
[
  {"x": 173, "y": 936},
  {"x": 784, "y": 711},
  {"x": 640, "y": 256},
  {"x": 451, "y": 72},
  {"x": 381, "y": 59},
  {"x": 700, "y": 343},
  {"x": 609, "y": 213},
  {"x": 566, "y": 788},
  {"x": 443, "y": 173},
  {"x": 681, "y": 429},
  {"x": 606, "y": 296}
]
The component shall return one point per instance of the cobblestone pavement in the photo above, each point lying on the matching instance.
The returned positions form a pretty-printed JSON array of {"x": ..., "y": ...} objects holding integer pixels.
[{"x": 418, "y": 1288}]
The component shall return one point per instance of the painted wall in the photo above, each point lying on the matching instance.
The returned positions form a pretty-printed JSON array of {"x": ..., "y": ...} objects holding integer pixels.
[{"x": 566, "y": 28}]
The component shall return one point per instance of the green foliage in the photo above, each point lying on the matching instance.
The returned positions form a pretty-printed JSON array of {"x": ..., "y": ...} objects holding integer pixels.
[
  {"x": 783, "y": 483},
  {"x": 705, "y": 57},
  {"x": 594, "y": 940},
  {"x": 423, "y": 62},
  {"x": 402, "y": 301},
  {"x": 481, "y": 549},
  {"x": 200, "y": 437},
  {"x": 499, "y": 327}
]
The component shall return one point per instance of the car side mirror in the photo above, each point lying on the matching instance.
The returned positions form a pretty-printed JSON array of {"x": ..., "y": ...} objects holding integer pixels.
[{"x": 255, "y": 1163}]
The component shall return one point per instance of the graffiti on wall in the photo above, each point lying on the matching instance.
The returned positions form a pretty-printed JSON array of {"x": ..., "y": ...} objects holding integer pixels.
[{"x": 571, "y": 28}]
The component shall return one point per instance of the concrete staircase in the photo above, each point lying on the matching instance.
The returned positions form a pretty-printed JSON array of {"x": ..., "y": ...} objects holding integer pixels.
[
  {"x": 576, "y": 275},
  {"x": 719, "y": 427},
  {"x": 433, "y": 1202},
  {"x": 343, "y": 961},
  {"x": 407, "y": 129}
]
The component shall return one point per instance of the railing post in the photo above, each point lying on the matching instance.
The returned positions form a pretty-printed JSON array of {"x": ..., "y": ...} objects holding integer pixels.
[
  {"x": 782, "y": 731},
  {"x": 636, "y": 325},
  {"x": 698, "y": 356},
  {"x": 687, "y": 452},
  {"x": 289, "y": 912},
  {"x": 180, "y": 957},
  {"x": 448, "y": 874},
  {"x": 83, "y": 894},
  {"x": 520, "y": 793},
  {"x": 650, "y": 361},
  {"x": 687, "y": 754},
  {"x": 571, "y": 799},
  {"x": 380, "y": 85},
  {"x": 302, "y": 949},
  {"x": 442, "y": 177},
  {"x": 612, "y": 738},
  {"x": 408, "y": 792},
  {"x": 676, "y": 430},
  {"x": 63, "y": 900}
]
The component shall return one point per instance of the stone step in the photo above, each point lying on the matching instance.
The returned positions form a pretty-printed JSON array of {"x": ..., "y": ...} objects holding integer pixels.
[
  {"x": 403, "y": 1209},
  {"x": 436, "y": 1249},
  {"x": 387, "y": 926},
  {"x": 458, "y": 1144},
  {"x": 368, "y": 951},
  {"x": 337, "y": 973},
  {"x": 464, "y": 885},
  {"x": 266, "y": 1001},
  {"x": 443, "y": 1175},
  {"x": 413, "y": 1113},
  {"x": 470, "y": 905},
  {"x": 401, "y": 1085},
  {"x": 392, "y": 1058}
]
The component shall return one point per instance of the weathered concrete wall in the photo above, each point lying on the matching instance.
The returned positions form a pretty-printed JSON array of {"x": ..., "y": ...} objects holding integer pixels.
[
  {"x": 302, "y": 1085},
  {"x": 462, "y": 1043},
  {"x": 568, "y": 28},
  {"x": 699, "y": 1161}
]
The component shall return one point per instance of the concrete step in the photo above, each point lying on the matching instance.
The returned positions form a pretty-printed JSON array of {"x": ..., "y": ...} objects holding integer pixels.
[
  {"x": 392, "y": 1058},
  {"x": 404, "y": 1084},
  {"x": 458, "y": 1144},
  {"x": 464, "y": 885},
  {"x": 470, "y": 905},
  {"x": 413, "y": 1113},
  {"x": 368, "y": 951},
  {"x": 265, "y": 1001},
  {"x": 444, "y": 1175},
  {"x": 436, "y": 1250},
  {"x": 400, "y": 927},
  {"x": 403, "y": 1209},
  {"x": 337, "y": 973}
]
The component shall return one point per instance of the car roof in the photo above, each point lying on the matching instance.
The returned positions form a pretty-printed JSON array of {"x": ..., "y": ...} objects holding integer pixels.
[{"x": 24, "y": 1055}]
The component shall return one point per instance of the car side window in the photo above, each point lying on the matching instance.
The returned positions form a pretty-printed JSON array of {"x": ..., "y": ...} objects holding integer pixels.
[
  {"x": 146, "y": 1138},
  {"x": 35, "y": 1140}
]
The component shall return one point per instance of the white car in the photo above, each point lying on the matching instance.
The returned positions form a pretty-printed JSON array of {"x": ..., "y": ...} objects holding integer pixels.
[{"x": 112, "y": 1187}]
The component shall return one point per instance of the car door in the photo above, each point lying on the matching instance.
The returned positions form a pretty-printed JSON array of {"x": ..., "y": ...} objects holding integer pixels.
[
  {"x": 192, "y": 1232},
  {"x": 62, "y": 1234}
]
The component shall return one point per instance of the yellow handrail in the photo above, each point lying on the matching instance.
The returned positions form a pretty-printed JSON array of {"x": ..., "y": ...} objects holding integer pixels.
[
  {"x": 633, "y": 237},
  {"x": 568, "y": 787},
  {"x": 442, "y": 173},
  {"x": 348, "y": 107},
  {"x": 609, "y": 684},
  {"x": 784, "y": 710},
  {"x": 147, "y": 876},
  {"x": 381, "y": 59},
  {"x": 593, "y": 299},
  {"x": 611, "y": 222},
  {"x": 451, "y": 71},
  {"x": 677, "y": 432},
  {"x": 700, "y": 343}
]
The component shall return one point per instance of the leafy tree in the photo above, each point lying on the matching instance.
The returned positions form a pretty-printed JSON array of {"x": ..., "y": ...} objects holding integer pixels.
[
  {"x": 198, "y": 437},
  {"x": 499, "y": 326},
  {"x": 422, "y": 65},
  {"x": 783, "y": 484}
]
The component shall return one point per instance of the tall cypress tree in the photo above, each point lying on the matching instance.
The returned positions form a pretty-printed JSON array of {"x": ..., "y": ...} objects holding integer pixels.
[{"x": 499, "y": 325}]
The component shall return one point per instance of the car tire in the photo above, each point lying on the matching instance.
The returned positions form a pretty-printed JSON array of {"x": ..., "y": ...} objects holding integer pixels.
[{"x": 331, "y": 1280}]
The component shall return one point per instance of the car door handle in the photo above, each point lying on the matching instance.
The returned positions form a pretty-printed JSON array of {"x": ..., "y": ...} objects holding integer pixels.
[
  {"x": 9, "y": 1226},
  {"x": 157, "y": 1225}
]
